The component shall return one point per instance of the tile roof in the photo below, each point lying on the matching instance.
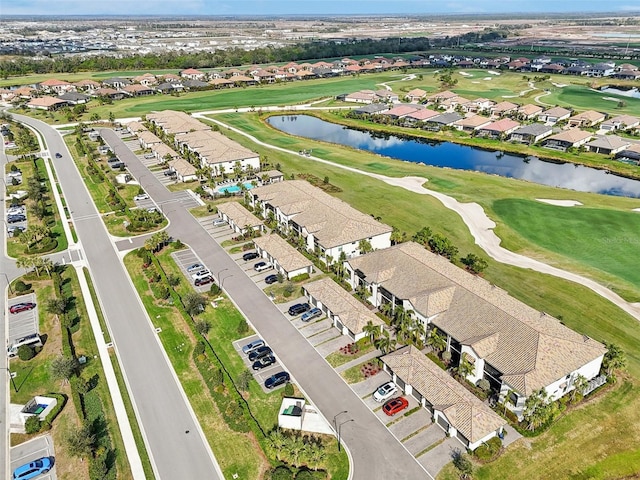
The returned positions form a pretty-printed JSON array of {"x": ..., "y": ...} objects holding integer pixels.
[
  {"x": 464, "y": 411},
  {"x": 423, "y": 114},
  {"x": 287, "y": 256},
  {"x": 473, "y": 122},
  {"x": 331, "y": 221},
  {"x": 611, "y": 142},
  {"x": 572, "y": 135},
  {"x": 45, "y": 101},
  {"x": 625, "y": 120},
  {"x": 589, "y": 115},
  {"x": 239, "y": 215},
  {"x": 531, "y": 349},
  {"x": 136, "y": 126},
  {"x": 182, "y": 167},
  {"x": 215, "y": 147},
  {"x": 530, "y": 109},
  {"x": 148, "y": 137},
  {"x": 350, "y": 311},
  {"x": 502, "y": 125},
  {"x": 401, "y": 111},
  {"x": 534, "y": 129},
  {"x": 557, "y": 112},
  {"x": 162, "y": 150},
  {"x": 176, "y": 122},
  {"x": 504, "y": 107}
]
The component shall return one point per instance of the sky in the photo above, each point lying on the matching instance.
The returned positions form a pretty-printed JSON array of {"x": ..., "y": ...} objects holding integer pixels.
[{"x": 308, "y": 7}]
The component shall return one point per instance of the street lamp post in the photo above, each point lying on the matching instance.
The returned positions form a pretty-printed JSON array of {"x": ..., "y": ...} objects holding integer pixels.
[
  {"x": 13, "y": 382},
  {"x": 340, "y": 427},
  {"x": 218, "y": 275},
  {"x": 8, "y": 282},
  {"x": 335, "y": 427}
]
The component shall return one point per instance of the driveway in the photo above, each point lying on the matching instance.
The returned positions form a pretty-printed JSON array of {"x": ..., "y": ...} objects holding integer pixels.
[{"x": 32, "y": 450}]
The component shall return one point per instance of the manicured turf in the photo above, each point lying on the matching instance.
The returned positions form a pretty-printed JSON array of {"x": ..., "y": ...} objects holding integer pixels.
[
  {"x": 604, "y": 239},
  {"x": 582, "y": 97}
]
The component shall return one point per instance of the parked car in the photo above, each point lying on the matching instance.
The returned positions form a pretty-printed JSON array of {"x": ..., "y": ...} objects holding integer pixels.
[
  {"x": 269, "y": 279},
  {"x": 58, "y": 155},
  {"x": 250, "y": 347},
  {"x": 113, "y": 160},
  {"x": 152, "y": 209},
  {"x": 149, "y": 156},
  {"x": 203, "y": 281},
  {"x": 395, "y": 405},
  {"x": 196, "y": 267},
  {"x": 115, "y": 165},
  {"x": 298, "y": 308},
  {"x": 385, "y": 392},
  {"x": 276, "y": 380},
  {"x": 219, "y": 221},
  {"x": 33, "y": 469},
  {"x": 141, "y": 196},
  {"x": 14, "y": 230},
  {"x": 201, "y": 274},
  {"x": 169, "y": 173},
  {"x": 263, "y": 362},
  {"x": 259, "y": 353},
  {"x": 22, "y": 307},
  {"x": 16, "y": 218},
  {"x": 250, "y": 256},
  {"x": 19, "y": 210},
  {"x": 311, "y": 314},
  {"x": 262, "y": 266},
  {"x": 32, "y": 340}
]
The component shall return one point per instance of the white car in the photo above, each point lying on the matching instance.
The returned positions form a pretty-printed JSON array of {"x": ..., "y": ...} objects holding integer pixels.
[
  {"x": 15, "y": 211},
  {"x": 201, "y": 274},
  {"x": 141, "y": 196},
  {"x": 385, "y": 392}
]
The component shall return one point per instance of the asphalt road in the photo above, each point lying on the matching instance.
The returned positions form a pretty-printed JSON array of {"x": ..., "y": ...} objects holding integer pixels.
[
  {"x": 163, "y": 410},
  {"x": 375, "y": 452}
]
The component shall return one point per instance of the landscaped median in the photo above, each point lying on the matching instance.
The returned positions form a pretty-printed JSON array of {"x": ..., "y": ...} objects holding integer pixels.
[
  {"x": 112, "y": 198},
  {"x": 236, "y": 415}
]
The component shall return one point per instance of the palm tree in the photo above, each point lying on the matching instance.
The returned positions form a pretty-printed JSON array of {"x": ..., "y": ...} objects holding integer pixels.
[
  {"x": 47, "y": 264},
  {"x": 372, "y": 331},
  {"x": 318, "y": 456},
  {"x": 465, "y": 367},
  {"x": 24, "y": 262},
  {"x": 386, "y": 309},
  {"x": 384, "y": 343},
  {"x": 580, "y": 384},
  {"x": 277, "y": 441},
  {"x": 436, "y": 341}
]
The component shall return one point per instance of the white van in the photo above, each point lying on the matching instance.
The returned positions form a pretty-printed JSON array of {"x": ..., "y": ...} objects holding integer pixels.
[{"x": 32, "y": 340}]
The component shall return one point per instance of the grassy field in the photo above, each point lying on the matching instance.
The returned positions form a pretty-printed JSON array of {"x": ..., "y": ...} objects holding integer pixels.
[
  {"x": 475, "y": 83},
  {"x": 576, "y": 306},
  {"x": 236, "y": 452},
  {"x": 600, "y": 238}
]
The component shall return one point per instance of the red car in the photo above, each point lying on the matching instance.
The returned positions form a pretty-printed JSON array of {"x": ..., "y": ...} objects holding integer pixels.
[
  {"x": 395, "y": 405},
  {"x": 22, "y": 307}
]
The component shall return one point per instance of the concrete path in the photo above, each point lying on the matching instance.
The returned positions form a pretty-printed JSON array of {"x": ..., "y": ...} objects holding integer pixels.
[
  {"x": 479, "y": 224},
  {"x": 357, "y": 361}
]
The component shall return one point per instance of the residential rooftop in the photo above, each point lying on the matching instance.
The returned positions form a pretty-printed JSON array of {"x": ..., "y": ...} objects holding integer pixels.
[{"x": 287, "y": 256}]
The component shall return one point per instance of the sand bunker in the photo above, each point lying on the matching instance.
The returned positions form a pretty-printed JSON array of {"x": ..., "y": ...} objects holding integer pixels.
[
  {"x": 636, "y": 210},
  {"x": 465, "y": 74},
  {"x": 491, "y": 72},
  {"x": 475, "y": 81},
  {"x": 611, "y": 99},
  {"x": 559, "y": 85},
  {"x": 560, "y": 203},
  {"x": 487, "y": 78}
]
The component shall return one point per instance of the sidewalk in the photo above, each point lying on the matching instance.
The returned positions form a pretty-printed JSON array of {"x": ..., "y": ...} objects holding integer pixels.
[
  {"x": 369, "y": 356},
  {"x": 118, "y": 404}
]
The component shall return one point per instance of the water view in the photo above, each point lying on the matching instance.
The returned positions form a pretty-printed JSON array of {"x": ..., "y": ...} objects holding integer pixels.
[{"x": 446, "y": 154}]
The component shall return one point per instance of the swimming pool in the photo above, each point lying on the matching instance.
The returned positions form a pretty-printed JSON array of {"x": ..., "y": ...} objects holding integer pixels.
[{"x": 234, "y": 188}]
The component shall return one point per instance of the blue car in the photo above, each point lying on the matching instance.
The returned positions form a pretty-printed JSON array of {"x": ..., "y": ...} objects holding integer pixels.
[
  {"x": 33, "y": 469},
  {"x": 276, "y": 380},
  {"x": 311, "y": 314}
]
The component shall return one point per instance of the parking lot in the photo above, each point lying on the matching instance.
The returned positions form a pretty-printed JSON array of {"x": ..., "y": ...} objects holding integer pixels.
[
  {"x": 185, "y": 259},
  {"x": 32, "y": 450},
  {"x": 23, "y": 323},
  {"x": 259, "y": 375}
]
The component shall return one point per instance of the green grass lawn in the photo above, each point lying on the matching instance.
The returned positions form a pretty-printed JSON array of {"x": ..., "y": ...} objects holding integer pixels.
[
  {"x": 603, "y": 239},
  {"x": 581, "y": 97}
]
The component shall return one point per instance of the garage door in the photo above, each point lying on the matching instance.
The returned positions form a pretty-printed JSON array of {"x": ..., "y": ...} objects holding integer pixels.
[
  {"x": 400, "y": 383},
  {"x": 443, "y": 423},
  {"x": 417, "y": 395}
]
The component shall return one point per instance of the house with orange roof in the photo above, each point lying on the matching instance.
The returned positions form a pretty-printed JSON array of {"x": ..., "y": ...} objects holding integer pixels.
[
  {"x": 503, "y": 108},
  {"x": 529, "y": 111},
  {"x": 415, "y": 95},
  {"x": 56, "y": 86},
  {"x": 87, "y": 84},
  {"x": 571, "y": 138},
  {"x": 146, "y": 79},
  {"x": 193, "y": 74}
]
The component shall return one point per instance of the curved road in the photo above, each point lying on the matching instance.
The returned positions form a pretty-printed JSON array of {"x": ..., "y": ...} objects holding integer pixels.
[{"x": 173, "y": 436}]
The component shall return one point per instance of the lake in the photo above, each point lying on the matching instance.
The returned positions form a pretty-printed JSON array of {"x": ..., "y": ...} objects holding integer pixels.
[{"x": 461, "y": 157}]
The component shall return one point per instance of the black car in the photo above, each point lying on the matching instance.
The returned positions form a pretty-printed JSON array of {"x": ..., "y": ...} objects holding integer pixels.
[
  {"x": 263, "y": 362},
  {"x": 276, "y": 380},
  {"x": 16, "y": 218},
  {"x": 298, "y": 308},
  {"x": 169, "y": 173},
  {"x": 203, "y": 281},
  {"x": 250, "y": 256},
  {"x": 259, "y": 353},
  {"x": 269, "y": 279},
  {"x": 58, "y": 155}
]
